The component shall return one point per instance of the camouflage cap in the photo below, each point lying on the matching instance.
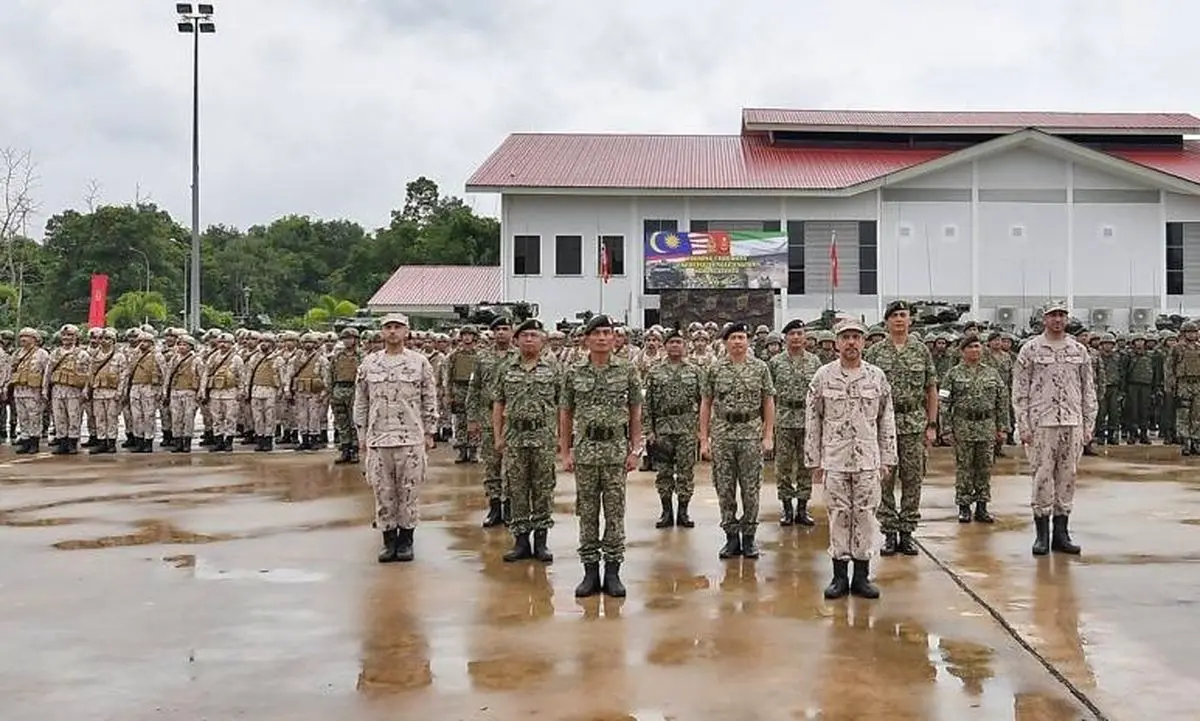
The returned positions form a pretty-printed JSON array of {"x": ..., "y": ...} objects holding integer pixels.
[
  {"x": 349, "y": 332},
  {"x": 6, "y": 334},
  {"x": 761, "y": 329},
  {"x": 144, "y": 337},
  {"x": 1189, "y": 327},
  {"x": 29, "y": 332},
  {"x": 310, "y": 337},
  {"x": 225, "y": 338},
  {"x": 1108, "y": 338},
  {"x": 849, "y": 325},
  {"x": 1055, "y": 306},
  {"x": 289, "y": 335},
  {"x": 390, "y": 318},
  {"x": 69, "y": 329},
  {"x": 876, "y": 330},
  {"x": 109, "y": 333},
  {"x": 774, "y": 338}
]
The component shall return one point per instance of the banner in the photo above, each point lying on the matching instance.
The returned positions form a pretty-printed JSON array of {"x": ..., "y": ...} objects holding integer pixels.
[
  {"x": 99, "y": 301},
  {"x": 734, "y": 259}
]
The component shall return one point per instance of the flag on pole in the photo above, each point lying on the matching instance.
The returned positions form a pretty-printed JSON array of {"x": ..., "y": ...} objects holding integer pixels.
[
  {"x": 99, "y": 300},
  {"x": 605, "y": 261},
  {"x": 833, "y": 260}
]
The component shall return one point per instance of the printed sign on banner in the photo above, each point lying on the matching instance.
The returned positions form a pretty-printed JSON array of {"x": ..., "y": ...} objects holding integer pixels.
[{"x": 733, "y": 259}]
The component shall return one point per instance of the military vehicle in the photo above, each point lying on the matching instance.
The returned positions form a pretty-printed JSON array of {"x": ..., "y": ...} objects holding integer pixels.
[
  {"x": 484, "y": 313},
  {"x": 666, "y": 276},
  {"x": 1074, "y": 325},
  {"x": 1173, "y": 322},
  {"x": 936, "y": 312}
]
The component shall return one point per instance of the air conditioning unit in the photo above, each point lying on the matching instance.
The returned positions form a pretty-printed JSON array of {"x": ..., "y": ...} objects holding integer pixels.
[
  {"x": 1100, "y": 317},
  {"x": 1006, "y": 316},
  {"x": 1141, "y": 318}
]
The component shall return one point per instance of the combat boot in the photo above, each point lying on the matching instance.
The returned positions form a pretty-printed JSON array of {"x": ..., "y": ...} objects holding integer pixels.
[
  {"x": 228, "y": 445},
  {"x": 861, "y": 585},
  {"x": 998, "y": 450},
  {"x": 354, "y": 454},
  {"x": 97, "y": 448},
  {"x": 749, "y": 547},
  {"x": 981, "y": 513},
  {"x": 206, "y": 439},
  {"x": 1185, "y": 446},
  {"x": 404, "y": 545},
  {"x": 1144, "y": 437},
  {"x": 61, "y": 446},
  {"x": 324, "y": 437},
  {"x": 1041, "y": 544},
  {"x": 345, "y": 457},
  {"x": 388, "y": 554},
  {"x": 1131, "y": 437},
  {"x": 520, "y": 550},
  {"x": 217, "y": 445},
  {"x": 802, "y": 517},
  {"x": 110, "y": 445},
  {"x": 250, "y": 439},
  {"x": 91, "y": 442},
  {"x": 839, "y": 587},
  {"x": 168, "y": 439},
  {"x": 147, "y": 445},
  {"x": 667, "y": 518},
  {"x": 732, "y": 547},
  {"x": 540, "y": 551},
  {"x": 304, "y": 445},
  {"x": 506, "y": 511},
  {"x": 682, "y": 519},
  {"x": 130, "y": 441},
  {"x": 612, "y": 580},
  {"x": 889, "y": 544},
  {"x": 24, "y": 447},
  {"x": 1060, "y": 540},
  {"x": 260, "y": 444},
  {"x": 964, "y": 513},
  {"x": 185, "y": 444},
  {"x": 495, "y": 515},
  {"x": 462, "y": 455},
  {"x": 1090, "y": 449},
  {"x": 35, "y": 445},
  {"x": 788, "y": 516},
  {"x": 590, "y": 585},
  {"x": 72, "y": 446},
  {"x": 906, "y": 545}
]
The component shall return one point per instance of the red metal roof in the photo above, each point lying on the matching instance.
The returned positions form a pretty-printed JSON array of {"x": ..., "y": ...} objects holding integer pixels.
[
  {"x": 440, "y": 285},
  {"x": 1182, "y": 163},
  {"x": 970, "y": 120},
  {"x": 682, "y": 162}
]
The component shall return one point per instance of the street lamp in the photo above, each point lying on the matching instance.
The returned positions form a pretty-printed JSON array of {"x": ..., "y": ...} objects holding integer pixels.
[
  {"x": 147, "y": 259},
  {"x": 197, "y": 23}
]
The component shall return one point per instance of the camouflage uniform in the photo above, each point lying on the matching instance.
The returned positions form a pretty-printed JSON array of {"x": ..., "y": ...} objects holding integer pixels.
[
  {"x": 219, "y": 390},
  {"x": 144, "y": 390},
  {"x": 479, "y": 405},
  {"x": 306, "y": 373},
  {"x": 181, "y": 387},
  {"x": 1141, "y": 375},
  {"x": 910, "y": 372},
  {"x": 672, "y": 410},
  {"x": 64, "y": 384},
  {"x": 343, "y": 368},
  {"x": 792, "y": 375},
  {"x": 28, "y": 370},
  {"x": 1181, "y": 379},
  {"x": 107, "y": 386},
  {"x": 1108, "y": 422},
  {"x": 974, "y": 408},
  {"x": 1166, "y": 401},
  {"x": 264, "y": 377},
  {"x": 460, "y": 364}
]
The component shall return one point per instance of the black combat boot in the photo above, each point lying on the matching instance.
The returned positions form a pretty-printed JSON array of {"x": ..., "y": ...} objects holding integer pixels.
[
  {"x": 667, "y": 518},
  {"x": 506, "y": 511},
  {"x": 682, "y": 519},
  {"x": 260, "y": 444},
  {"x": 168, "y": 439},
  {"x": 1090, "y": 449},
  {"x": 788, "y": 516},
  {"x": 906, "y": 544},
  {"x": 35, "y": 445},
  {"x": 981, "y": 513},
  {"x": 130, "y": 441},
  {"x": 540, "y": 551},
  {"x": 1144, "y": 437},
  {"x": 147, "y": 445},
  {"x": 228, "y": 446},
  {"x": 217, "y": 445},
  {"x": 60, "y": 446},
  {"x": 495, "y": 515},
  {"x": 1041, "y": 544},
  {"x": 388, "y": 554},
  {"x": 889, "y": 544},
  {"x": 462, "y": 455},
  {"x": 404, "y": 545},
  {"x": 186, "y": 444},
  {"x": 24, "y": 447},
  {"x": 612, "y": 580},
  {"x": 354, "y": 454},
  {"x": 839, "y": 587},
  {"x": 998, "y": 450},
  {"x": 732, "y": 547},
  {"x": 98, "y": 448},
  {"x": 345, "y": 457},
  {"x": 802, "y": 517},
  {"x": 206, "y": 439},
  {"x": 250, "y": 439},
  {"x": 964, "y": 513},
  {"x": 1060, "y": 539},
  {"x": 305, "y": 443},
  {"x": 520, "y": 550},
  {"x": 1130, "y": 437},
  {"x": 590, "y": 585},
  {"x": 860, "y": 584},
  {"x": 646, "y": 464},
  {"x": 110, "y": 445},
  {"x": 91, "y": 441},
  {"x": 749, "y": 547}
]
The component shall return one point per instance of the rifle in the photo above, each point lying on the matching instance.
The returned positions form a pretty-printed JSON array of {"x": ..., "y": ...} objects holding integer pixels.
[
  {"x": 175, "y": 372},
  {"x": 133, "y": 372}
]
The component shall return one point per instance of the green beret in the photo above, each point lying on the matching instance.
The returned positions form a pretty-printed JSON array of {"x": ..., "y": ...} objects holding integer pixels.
[
  {"x": 895, "y": 306},
  {"x": 597, "y": 322},
  {"x": 794, "y": 324},
  {"x": 530, "y": 324},
  {"x": 731, "y": 328},
  {"x": 500, "y": 322},
  {"x": 969, "y": 340}
]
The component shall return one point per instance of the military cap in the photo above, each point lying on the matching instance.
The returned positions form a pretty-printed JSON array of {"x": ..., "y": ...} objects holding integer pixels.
[
  {"x": 695, "y": 325},
  {"x": 773, "y": 338},
  {"x": 876, "y": 330},
  {"x": 1168, "y": 333},
  {"x": 530, "y": 324},
  {"x": 793, "y": 324},
  {"x": 144, "y": 337},
  {"x": 995, "y": 335},
  {"x": 896, "y": 306},
  {"x": 289, "y": 335},
  {"x": 69, "y": 329},
  {"x": 225, "y": 338},
  {"x": 6, "y": 334},
  {"x": 398, "y": 318},
  {"x": 969, "y": 340},
  {"x": 657, "y": 329},
  {"x": 95, "y": 332},
  {"x": 1137, "y": 335},
  {"x": 189, "y": 340},
  {"x": 731, "y": 328},
  {"x": 971, "y": 324},
  {"x": 132, "y": 334},
  {"x": 1055, "y": 306},
  {"x": 1108, "y": 338},
  {"x": 309, "y": 338},
  {"x": 1189, "y": 326},
  {"x": 654, "y": 333},
  {"x": 267, "y": 338},
  {"x": 110, "y": 333},
  {"x": 27, "y": 331},
  {"x": 239, "y": 333},
  {"x": 499, "y": 322},
  {"x": 916, "y": 335},
  {"x": 349, "y": 332},
  {"x": 212, "y": 334},
  {"x": 254, "y": 335},
  {"x": 619, "y": 329},
  {"x": 849, "y": 325},
  {"x": 147, "y": 328},
  {"x": 469, "y": 329},
  {"x": 597, "y": 321},
  {"x": 672, "y": 334},
  {"x": 761, "y": 329}
]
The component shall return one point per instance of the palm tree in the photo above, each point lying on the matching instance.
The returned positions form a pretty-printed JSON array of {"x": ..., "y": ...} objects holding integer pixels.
[
  {"x": 10, "y": 298},
  {"x": 328, "y": 308},
  {"x": 137, "y": 307}
]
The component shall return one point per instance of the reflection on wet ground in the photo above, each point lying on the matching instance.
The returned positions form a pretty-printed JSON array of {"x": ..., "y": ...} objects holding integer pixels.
[{"x": 246, "y": 586}]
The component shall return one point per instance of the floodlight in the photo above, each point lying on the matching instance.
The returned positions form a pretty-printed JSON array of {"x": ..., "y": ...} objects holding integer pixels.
[
  {"x": 185, "y": 26},
  {"x": 183, "y": 8},
  {"x": 207, "y": 27}
]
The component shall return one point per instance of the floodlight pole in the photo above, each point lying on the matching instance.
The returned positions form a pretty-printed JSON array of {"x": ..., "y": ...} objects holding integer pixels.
[{"x": 194, "y": 300}]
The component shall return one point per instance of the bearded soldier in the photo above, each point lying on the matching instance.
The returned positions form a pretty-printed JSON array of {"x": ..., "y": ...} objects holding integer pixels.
[
  {"x": 29, "y": 366},
  {"x": 182, "y": 387},
  {"x": 306, "y": 388},
  {"x": 65, "y": 384},
  {"x": 219, "y": 391},
  {"x": 792, "y": 372},
  {"x": 264, "y": 377},
  {"x": 107, "y": 390},
  {"x": 672, "y": 408},
  {"x": 479, "y": 419},
  {"x": 974, "y": 409},
  {"x": 343, "y": 367}
]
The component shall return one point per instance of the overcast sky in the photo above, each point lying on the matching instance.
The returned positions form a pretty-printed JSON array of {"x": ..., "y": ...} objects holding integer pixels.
[{"x": 328, "y": 107}]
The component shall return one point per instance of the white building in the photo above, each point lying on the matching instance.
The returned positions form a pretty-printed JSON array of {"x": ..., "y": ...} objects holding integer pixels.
[{"x": 999, "y": 210}]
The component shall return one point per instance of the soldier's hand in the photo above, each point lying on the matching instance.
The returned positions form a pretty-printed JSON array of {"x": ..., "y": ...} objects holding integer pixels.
[
  {"x": 430, "y": 442},
  {"x": 768, "y": 445},
  {"x": 818, "y": 475},
  {"x": 362, "y": 448},
  {"x": 498, "y": 445},
  {"x": 1026, "y": 437},
  {"x": 930, "y": 436},
  {"x": 705, "y": 449},
  {"x": 1001, "y": 436},
  {"x": 631, "y": 462},
  {"x": 568, "y": 461}
]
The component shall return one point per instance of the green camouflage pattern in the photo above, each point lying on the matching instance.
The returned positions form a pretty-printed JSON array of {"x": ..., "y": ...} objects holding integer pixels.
[
  {"x": 792, "y": 376},
  {"x": 600, "y": 488},
  {"x": 672, "y": 404},
  {"x": 737, "y": 465},
  {"x": 737, "y": 388},
  {"x": 909, "y": 370},
  {"x": 529, "y": 393},
  {"x": 599, "y": 398},
  {"x": 974, "y": 402}
]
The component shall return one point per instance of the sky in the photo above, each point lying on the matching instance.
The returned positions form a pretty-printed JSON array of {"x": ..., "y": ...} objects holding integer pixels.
[{"x": 328, "y": 108}]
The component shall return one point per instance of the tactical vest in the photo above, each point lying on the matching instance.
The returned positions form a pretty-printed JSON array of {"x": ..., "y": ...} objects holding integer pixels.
[
  {"x": 462, "y": 367},
  {"x": 66, "y": 371},
  {"x": 25, "y": 374},
  {"x": 1189, "y": 362},
  {"x": 264, "y": 373},
  {"x": 146, "y": 370},
  {"x": 222, "y": 377},
  {"x": 307, "y": 380},
  {"x": 345, "y": 367},
  {"x": 106, "y": 376},
  {"x": 185, "y": 378}
]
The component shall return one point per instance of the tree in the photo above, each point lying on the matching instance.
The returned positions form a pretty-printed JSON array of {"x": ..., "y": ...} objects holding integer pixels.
[
  {"x": 135, "y": 308},
  {"x": 420, "y": 201},
  {"x": 327, "y": 310},
  {"x": 17, "y": 180},
  {"x": 212, "y": 318}
]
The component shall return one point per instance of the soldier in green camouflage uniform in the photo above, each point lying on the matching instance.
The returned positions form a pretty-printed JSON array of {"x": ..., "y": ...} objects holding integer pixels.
[
  {"x": 792, "y": 371},
  {"x": 943, "y": 361},
  {"x": 1140, "y": 373},
  {"x": 479, "y": 418},
  {"x": 975, "y": 412},
  {"x": 1108, "y": 422},
  {"x": 1000, "y": 359},
  {"x": 1086, "y": 338},
  {"x": 525, "y": 419},
  {"x": 909, "y": 368},
  {"x": 460, "y": 364},
  {"x": 737, "y": 425},
  {"x": 600, "y": 412},
  {"x": 672, "y": 410},
  {"x": 1166, "y": 406},
  {"x": 825, "y": 350},
  {"x": 1181, "y": 379}
]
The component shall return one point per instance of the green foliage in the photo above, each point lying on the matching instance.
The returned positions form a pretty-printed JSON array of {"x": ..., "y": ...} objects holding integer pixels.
[
  {"x": 212, "y": 318},
  {"x": 327, "y": 309},
  {"x": 135, "y": 308}
]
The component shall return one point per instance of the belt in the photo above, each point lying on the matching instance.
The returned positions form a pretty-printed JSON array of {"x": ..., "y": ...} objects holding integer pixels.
[
  {"x": 973, "y": 415},
  {"x": 604, "y": 433},
  {"x": 343, "y": 384},
  {"x": 795, "y": 405},
  {"x": 527, "y": 424},
  {"x": 908, "y": 407},
  {"x": 676, "y": 411},
  {"x": 745, "y": 417}
]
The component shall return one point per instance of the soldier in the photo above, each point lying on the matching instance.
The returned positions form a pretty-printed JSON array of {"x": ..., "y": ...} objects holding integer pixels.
[
  {"x": 306, "y": 390},
  {"x": 146, "y": 369},
  {"x": 479, "y": 419},
  {"x": 395, "y": 412},
  {"x": 89, "y": 418},
  {"x": 1108, "y": 428},
  {"x": 129, "y": 348},
  {"x": 600, "y": 422},
  {"x": 169, "y": 339},
  {"x": 975, "y": 415},
  {"x": 737, "y": 426},
  {"x": 1141, "y": 376},
  {"x": 525, "y": 419},
  {"x": 437, "y": 359},
  {"x": 1166, "y": 406},
  {"x": 460, "y": 364},
  {"x": 1054, "y": 397},
  {"x": 106, "y": 383},
  {"x": 208, "y": 347},
  {"x": 343, "y": 368},
  {"x": 1000, "y": 359},
  {"x": 8, "y": 418},
  {"x": 850, "y": 444},
  {"x": 772, "y": 348},
  {"x": 875, "y": 334},
  {"x": 220, "y": 389},
  {"x": 1181, "y": 381},
  {"x": 825, "y": 346},
  {"x": 182, "y": 386},
  {"x": 65, "y": 384},
  {"x": 29, "y": 366},
  {"x": 792, "y": 372},
  {"x": 913, "y": 378},
  {"x": 672, "y": 409},
  {"x": 264, "y": 377}
]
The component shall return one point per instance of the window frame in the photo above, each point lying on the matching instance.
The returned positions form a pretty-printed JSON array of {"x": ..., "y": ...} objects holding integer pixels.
[
  {"x": 523, "y": 241},
  {"x": 558, "y": 254}
]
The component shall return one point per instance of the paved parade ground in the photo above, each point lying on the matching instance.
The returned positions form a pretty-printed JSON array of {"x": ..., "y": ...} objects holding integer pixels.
[{"x": 244, "y": 586}]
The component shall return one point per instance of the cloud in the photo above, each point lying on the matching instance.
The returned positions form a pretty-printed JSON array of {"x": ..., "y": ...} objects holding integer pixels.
[{"x": 328, "y": 107}]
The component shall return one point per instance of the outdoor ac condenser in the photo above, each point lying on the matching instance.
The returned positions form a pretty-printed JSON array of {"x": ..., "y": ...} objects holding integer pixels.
[
  {"x": 1006, "y": 316},
  {"x": 1141, "y": 318},
  {"x": 1101, "y": 317}
]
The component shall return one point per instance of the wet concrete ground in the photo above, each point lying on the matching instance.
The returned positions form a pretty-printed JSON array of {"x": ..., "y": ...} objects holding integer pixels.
[{"x": 244, "y": 586}]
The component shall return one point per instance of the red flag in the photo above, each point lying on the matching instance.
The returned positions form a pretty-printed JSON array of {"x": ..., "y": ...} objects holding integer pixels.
[
  {"x": 833, "y": 261},
  {"x": 605, "y": 261},
  {"x": 99, "y": 300}
]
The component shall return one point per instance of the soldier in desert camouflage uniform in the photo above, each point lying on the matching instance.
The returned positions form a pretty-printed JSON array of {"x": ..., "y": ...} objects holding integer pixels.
[
  {"x": 525, "y": 419},
  {"x": 851, "y": 442},
  {"x": 65, "y": 384},
  {"x": 672, "y": 411},
  {"x": 29, "y": 364},
  {"x": 1181, "y": 380},
  {"x": 264, "y": 375},
  {"x": 600, "y": 423},
  {"x": 975, "y": 415},
  {"x": 792, "y": 371},
  {"x": 306, "y": 389},
  {"x": 106, "y": 385},
  {"x": 737, "y": 426},
  {"x": 1054, "y": 400},
  {"x": 479, "y": 418},
  {"x": 182, "y": 386},
  {"x": 220, "y": 389}
]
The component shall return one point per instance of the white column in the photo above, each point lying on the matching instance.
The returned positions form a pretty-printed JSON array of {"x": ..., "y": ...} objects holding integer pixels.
[
  {"x": 1162, "y": 265},
  {"x": 879, "y": 274},
  {"x": 685, "y": 223},
  {"x": 783, "y": 294},
  {"x": 976, "y": 311},
  {"x": 635, "y": 273},
  {"x": 1070, "y": 236},
  {"x": 506, "y": 250}
]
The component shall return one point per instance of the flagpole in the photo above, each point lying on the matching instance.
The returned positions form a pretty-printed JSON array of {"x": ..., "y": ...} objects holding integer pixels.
[{"x": 833, "y": 276}]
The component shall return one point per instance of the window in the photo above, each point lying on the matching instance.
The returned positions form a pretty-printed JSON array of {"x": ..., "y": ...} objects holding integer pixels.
[
  {"x": 615, "y": 244},
  {"x": 568, "y": 255},
  {"x": 527, "y": 255},
  {"x": 868, "y": 252},
  {"x": 795, "y": 233},
  {"x": 1174, "y": 258}
]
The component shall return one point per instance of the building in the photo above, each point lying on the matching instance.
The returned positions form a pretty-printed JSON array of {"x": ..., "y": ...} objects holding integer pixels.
[
  {"x": 1001, "y": 210},
  {"x": 433, "y": 291}
]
